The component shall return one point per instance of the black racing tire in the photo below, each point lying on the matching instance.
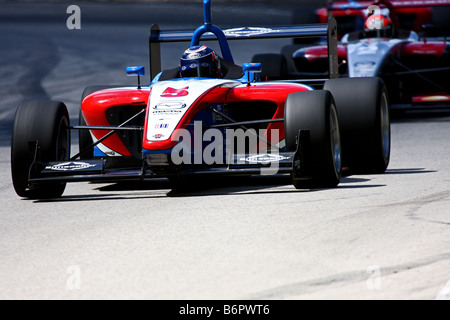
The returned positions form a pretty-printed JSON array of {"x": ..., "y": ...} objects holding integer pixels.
[
  {"x": 274, "y": 66},
  {"x": 84, "y": 139},
  {"x": 441, "y": 22},
  {"x": 315, "y": 111},
  {"x": 45, "y": 122},
  {"x": 288, "y": 53},
  {"x": 363, "y": 108}
]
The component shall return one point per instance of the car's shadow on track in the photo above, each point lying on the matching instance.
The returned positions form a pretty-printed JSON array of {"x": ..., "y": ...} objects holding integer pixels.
[
  {"x": 233, "y": 186},
  {"x": 248, "y": 185},
  {"x": 163, "y": 188}
]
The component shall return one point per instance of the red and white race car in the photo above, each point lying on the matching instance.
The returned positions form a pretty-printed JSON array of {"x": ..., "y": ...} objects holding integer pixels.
[
  {"x": 414, "y": 66},
  {"x": 233, "y": 124},
  {"x": 351, "y": 15}
]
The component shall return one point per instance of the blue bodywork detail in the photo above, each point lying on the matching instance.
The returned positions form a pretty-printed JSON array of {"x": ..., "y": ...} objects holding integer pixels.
[
  {"x": 248, "y": 77},
  {"x": 99, "y": 153},
  {"x": 147, "y": 152},
  {"x": 252, "y": 67},
  {"x": 209, "y": 27},
  {"x": 135, "y": 71},
  {"x": 156, "y": 79}
]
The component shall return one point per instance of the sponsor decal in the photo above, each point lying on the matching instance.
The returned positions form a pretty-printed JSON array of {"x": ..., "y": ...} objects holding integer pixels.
[
  {"x": 167, "y": 112},
  {"x": 365, "y": 67},
  {"x": 169, "y": 105},
  {"x": 194, "y": 56},
  {"x": 172, "y": 92},
  {"x": 158, "y": 136},
  {"x": 248, "y": 31},
  {"x": 161, "y": 126},
  {"x": 70, "y": 166},
  {"x": 169, "y": 101},
  {"x": 264, "y": 158}
]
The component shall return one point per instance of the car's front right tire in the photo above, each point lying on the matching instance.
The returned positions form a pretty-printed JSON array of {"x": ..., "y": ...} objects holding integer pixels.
[{"x": 315, "y": 111}]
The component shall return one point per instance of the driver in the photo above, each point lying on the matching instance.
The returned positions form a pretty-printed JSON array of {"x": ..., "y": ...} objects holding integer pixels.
[
  {"x": 200, "y": 61},
  {"x": 380, "y": 23}
]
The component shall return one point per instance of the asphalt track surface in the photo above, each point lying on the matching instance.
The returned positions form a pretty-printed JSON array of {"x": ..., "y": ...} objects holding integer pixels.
[{"x": 373, "y": 237}]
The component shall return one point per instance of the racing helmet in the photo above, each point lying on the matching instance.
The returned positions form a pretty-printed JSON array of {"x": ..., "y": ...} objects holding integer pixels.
[
  {"x": 200, "y": 61},
  {"x": 378, "y": 22}
]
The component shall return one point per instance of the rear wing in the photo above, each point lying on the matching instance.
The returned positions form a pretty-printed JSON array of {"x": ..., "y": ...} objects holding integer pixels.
[{"x": 209, "y": 32}]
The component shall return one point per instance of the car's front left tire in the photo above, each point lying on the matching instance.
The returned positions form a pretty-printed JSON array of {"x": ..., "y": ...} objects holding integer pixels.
[{"x": 40, "y": 132}]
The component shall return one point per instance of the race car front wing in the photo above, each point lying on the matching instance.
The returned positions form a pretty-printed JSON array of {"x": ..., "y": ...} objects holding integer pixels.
[{"x": 97, "y": 170}]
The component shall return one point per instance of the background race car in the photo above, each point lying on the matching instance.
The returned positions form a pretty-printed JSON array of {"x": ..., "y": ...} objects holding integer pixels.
[
  {"x": 351, "y": 15},
  {"x": 394, "y": 43}
]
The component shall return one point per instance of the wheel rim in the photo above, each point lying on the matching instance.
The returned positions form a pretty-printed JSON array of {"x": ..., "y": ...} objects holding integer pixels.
[
  {"x": 335, "y": 139},
  {"x": 385, "y": 127}
]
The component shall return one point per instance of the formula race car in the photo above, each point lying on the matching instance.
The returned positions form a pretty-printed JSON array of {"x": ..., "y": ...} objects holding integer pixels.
[
  {"x": 207, "y": 117},
  {"x": 413, "y": 66},
  {"x": 351, "y": 15}
]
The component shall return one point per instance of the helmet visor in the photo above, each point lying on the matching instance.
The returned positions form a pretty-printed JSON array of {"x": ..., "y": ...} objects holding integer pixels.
[{"x": 202, "y": 70}]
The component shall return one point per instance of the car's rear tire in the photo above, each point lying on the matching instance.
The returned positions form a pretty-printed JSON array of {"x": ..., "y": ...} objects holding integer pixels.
[
  {"x": 315, "y": 111},
  {"x": 363, "y": 108},
  {"x": 440, "y": 22},
  {"x": 274, "y": 66},
  {"x": 45, "y": 123},
  {"x": 288, "y": 53}
]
